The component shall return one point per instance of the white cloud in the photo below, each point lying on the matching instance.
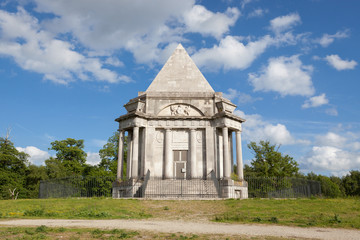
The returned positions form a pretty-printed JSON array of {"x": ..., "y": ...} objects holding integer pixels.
[
  {"x": 256, "y": 129},
  {"x": 316, "y": 101},
  {"x": 333, "y": 159},
  {"x": 283, "y": 23},
  {"x": 93, "y": 158},
  {"x": 336, "y": 62},
  {"x": 203, "y": 21},
  {"x": 331, "y": 112},
  {"x": 37, "y": 156},
  {"x": 98, "y": 143},
  {"x": 115, "y": 24},
  {"x": 239, "y": 97},
  {"x": 285, "y": 75},
  {"x": 331, "y": 139},
  {"x": 334, "y": 153},
  {"x": 75, "y": 38},
  {"x": 114, "y": 62},
  {"x": 327, "y": 39},
  {"x": 245, "y": 2},
  {"x": 355, "y": 146},
  {"x": 259, "y": 12},
  {"x": 231, "y": 53},
  {"x": 141, "y": 27},
  {"x": 37, "y": 50}
]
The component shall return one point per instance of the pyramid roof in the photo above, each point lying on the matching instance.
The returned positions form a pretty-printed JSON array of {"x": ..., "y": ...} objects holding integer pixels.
[{"x": 180, "y": 74}]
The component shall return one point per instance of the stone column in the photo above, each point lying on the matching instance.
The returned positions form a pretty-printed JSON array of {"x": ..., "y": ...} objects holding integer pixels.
[
  {"x": 142, "y": 151},
  {"x": 231, "y": 150},
  {"x": 135, "y": 155},
  {"x": 168, "y": 166},
  {"x": 193, "y": 153},
  {"x": 239, "y": 161},
  {"x": 220, "y": 172},
  {"x": 227, "y": 163},
  {"x": 120, "y": 163},
  {"x": 129, "y": 154}
]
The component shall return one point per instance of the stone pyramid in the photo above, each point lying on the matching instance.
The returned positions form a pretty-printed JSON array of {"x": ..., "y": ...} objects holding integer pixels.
[{"x": 180, "y": 74}]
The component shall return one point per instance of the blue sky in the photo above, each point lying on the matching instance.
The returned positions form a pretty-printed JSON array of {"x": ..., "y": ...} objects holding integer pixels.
[{"x": 292, "y": 67}]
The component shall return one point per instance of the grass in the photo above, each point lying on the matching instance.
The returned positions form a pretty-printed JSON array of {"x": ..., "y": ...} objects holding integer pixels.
[
  {"x": 73, "y": 208},
  {"x": 43, "y": 232},
  {"x": 336, "y": 213}
]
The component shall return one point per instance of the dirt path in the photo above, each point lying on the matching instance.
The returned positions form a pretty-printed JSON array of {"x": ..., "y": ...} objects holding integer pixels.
[{"x": 193, "y": 227}]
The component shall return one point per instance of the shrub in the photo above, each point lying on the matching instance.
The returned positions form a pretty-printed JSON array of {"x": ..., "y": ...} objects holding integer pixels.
[
  {"x": 274, "y": 220},
  {"x": 34, "y": 213},
  {"x": 42, "y": 228}
]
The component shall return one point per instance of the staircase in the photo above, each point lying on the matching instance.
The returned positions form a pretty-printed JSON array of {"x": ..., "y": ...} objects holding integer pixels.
[{"x": 181, "y": 188}]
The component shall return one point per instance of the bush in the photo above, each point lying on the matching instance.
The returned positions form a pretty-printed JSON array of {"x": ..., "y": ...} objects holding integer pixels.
[
  {"x": 34, "y": 213},
  {"x": 351, "y": 183},
  {"x": 329, "y": 188}
]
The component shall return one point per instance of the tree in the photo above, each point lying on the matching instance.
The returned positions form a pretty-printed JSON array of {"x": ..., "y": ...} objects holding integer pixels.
[
  {"x": 328, "y": 187},
  {"x": 351, "y": 183},
  {"x": 33, "y": 176},
  {"x": 269, "y": 162},
  {"x": 13, "y": 166},
  {"x": 69, "y": 154},
  {"x": 55, "y": 169},
  {"x": 109, "y": 154}
]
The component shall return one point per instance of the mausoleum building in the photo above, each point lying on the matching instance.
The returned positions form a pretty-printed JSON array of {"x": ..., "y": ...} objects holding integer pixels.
[{"x": 180, "y": 129}]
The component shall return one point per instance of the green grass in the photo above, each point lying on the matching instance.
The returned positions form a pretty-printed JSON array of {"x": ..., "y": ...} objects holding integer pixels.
[
  {"x": 336, "y": 213},
  {"x": 72, "y": 208},
  {"x": 43, "y": 232}
]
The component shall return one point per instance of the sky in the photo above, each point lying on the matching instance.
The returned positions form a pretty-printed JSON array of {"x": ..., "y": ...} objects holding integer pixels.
[{"x": 291, "y": 67}]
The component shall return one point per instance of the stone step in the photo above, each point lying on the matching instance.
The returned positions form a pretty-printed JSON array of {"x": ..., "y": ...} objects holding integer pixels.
[{"x": 181, "y": 187}]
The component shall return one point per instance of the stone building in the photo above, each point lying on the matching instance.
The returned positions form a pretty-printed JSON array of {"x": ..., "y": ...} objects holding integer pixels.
[{"x": 180, "y": 129}]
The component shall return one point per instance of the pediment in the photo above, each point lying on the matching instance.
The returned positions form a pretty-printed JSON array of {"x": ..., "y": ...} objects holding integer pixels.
[{"x": 180, "y": 110}]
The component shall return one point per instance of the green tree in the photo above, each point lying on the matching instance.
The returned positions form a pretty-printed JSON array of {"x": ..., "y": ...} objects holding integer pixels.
[
  {"x": 55, "y": 169},
  {"x": 328, "y": 187},
  {"x": 109, "y": 154},
  {"x": 13, "y": 166},
  {"x": 351, "y": 183},
  {"x": 338, "y": 182},
  {"x": 269, "y": 162},
  {"x": 33, "y": 176},
  {"x": 70, "y": 155}
]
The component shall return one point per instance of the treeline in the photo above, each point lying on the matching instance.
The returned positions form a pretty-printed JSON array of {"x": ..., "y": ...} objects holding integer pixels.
[
  {"x": 269, "y": 162},
  {"x": 20, "y": 179}
]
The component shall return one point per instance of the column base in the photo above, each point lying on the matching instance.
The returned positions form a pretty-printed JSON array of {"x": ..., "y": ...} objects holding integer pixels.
[{"x": 233, "y": 189}]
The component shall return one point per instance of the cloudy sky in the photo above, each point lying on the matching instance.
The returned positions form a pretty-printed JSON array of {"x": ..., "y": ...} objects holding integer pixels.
[{"x": 292, "y": 67}]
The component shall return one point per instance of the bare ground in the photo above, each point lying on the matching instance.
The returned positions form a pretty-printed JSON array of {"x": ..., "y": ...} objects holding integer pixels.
[{"x": 205, "y": 227}]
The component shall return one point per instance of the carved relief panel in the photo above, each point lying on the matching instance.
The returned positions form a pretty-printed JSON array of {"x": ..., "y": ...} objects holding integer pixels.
[{"x": 181, "y": 110}]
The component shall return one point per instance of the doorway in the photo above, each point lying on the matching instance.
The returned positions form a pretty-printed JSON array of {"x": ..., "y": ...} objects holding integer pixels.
[{"x": 180, "y": 159}]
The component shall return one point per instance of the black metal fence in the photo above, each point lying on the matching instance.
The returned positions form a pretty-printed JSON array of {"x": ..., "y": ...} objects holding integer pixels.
[
  {"x": 178, "y": 188},
  {"x": 76, "y": 187},
  {"x": 273, "y": 187}
]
